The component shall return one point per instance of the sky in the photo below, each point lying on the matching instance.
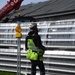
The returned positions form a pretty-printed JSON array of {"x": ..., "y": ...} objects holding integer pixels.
[{"x": 25, "y": 2}]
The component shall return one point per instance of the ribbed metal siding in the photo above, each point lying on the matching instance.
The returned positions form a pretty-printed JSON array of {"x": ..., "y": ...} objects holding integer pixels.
[{"x": 54, "y": 64}]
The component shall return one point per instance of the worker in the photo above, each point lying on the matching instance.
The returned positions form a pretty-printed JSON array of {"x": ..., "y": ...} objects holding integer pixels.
[{"x": 35, "y": 50}]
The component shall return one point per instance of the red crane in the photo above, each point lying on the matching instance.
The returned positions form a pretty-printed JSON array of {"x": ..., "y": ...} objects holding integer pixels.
[{"x": 11, "y": 5}]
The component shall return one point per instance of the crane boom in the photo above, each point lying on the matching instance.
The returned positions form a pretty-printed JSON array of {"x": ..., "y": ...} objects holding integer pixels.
[{"x": 11, "y": 5}]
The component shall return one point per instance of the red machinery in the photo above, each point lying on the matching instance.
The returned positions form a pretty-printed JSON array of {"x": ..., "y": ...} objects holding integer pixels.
[{"x": 11, "y": 5}]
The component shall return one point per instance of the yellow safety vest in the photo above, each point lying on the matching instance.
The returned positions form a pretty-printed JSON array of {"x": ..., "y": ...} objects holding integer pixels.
[{"x": 33, "y": 52}]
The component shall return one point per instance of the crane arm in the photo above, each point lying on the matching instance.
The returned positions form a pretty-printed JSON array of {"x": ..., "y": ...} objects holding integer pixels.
[{"x": 11, "y": 5}]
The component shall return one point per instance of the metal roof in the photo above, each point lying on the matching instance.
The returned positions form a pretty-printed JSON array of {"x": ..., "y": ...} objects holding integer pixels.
[{"x": 47, "y": 8}]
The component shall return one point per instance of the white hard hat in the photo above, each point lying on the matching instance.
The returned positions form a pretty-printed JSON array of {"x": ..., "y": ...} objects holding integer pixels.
[{"x": 33, "y": 25}]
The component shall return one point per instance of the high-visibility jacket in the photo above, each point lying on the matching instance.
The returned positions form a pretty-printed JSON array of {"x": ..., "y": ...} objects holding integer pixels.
[{"x": 34, "y": 53}]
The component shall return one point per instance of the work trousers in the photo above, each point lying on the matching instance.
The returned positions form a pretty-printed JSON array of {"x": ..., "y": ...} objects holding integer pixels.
[{"x": 38, "y": 63}]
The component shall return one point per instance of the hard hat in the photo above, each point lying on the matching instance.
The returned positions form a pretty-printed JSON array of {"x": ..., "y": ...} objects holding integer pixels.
[
  {"x": 19, "y": 14},
  {"x": 33, "y": 25}
]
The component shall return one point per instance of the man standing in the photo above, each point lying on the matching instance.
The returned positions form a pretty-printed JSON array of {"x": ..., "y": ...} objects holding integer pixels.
[{"x": 35, "y": 50}]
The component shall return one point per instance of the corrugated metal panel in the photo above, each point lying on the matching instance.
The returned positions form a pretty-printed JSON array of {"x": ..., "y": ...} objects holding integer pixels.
[
  {"x": 47, "y": 7},
  {"x": 54, "y": 64}
]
